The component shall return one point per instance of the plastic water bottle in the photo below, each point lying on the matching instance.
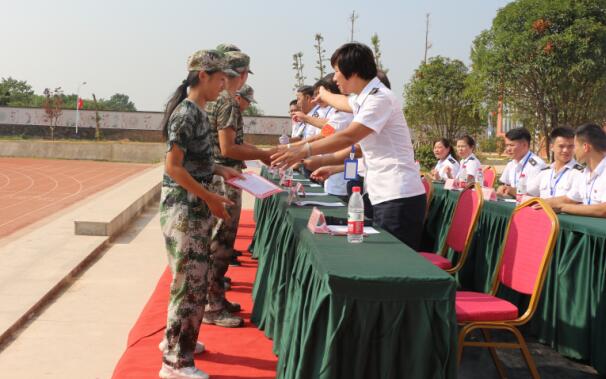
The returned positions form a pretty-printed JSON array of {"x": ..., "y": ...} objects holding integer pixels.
[
  {"x": 355, "y": 217},
  {"x": 283, "y": 139},
  {"x": 521, "y": 189},
  {"x": 462, "y": 177},
  {"x": 480, "y": 177},
  {"x": 287, "y": 178}
]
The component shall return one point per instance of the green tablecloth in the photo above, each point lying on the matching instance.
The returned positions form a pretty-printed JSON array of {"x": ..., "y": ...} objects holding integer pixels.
[
  {"x": 339, "y": 310},
  {"x": 571, "y": 316}
]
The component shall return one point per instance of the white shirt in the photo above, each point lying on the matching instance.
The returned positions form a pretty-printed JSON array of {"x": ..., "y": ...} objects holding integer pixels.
[
  {"x": 336, "y": 184},
  {"x": 550, "y": 183},
  {"x": 472, "y": 165},
  {"x": 442, "y": 165},
  {"x": 591, "y": 188},
  {"x": 318, "y": 112},
  {"x": 391, "y": 172},
  {"x": 531, "y": 165},
  {"x": 297, "y": 129}
]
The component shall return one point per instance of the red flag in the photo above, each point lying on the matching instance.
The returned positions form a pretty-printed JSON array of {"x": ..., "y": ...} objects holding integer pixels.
[{"x": 80, "y": 103}]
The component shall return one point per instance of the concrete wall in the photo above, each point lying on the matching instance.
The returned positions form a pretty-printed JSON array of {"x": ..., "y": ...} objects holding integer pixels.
[
  {"x": 104, "y": 151},
  {"x": 141, "y": 121}
]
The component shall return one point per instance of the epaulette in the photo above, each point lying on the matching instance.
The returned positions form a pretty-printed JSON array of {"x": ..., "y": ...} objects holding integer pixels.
[
  {"x": 546, "y": 168},
  {"x": 373, "y": 91},
  {"x": 532, "y": 162},
  {"x": 452, "y": 160},
  {"x": 578, "y": 167},
  {"x": 471, "y": 159}
]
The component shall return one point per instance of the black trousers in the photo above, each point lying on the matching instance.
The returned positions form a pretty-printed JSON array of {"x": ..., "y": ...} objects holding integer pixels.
[{"x": 403, "y": 218}]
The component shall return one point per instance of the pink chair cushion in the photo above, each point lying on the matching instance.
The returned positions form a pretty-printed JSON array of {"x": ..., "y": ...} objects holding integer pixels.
[
  {"x": 437, "y": 260},
  {"x": 489, "y": 177},
  {"x": 478, "y": 306},
  {"x": 524, "y": 250}
]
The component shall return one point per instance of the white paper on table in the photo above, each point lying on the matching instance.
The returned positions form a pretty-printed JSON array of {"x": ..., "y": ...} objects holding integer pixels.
[
  {"x": 320, "y": 203},
  {"x": 342, "y": 230},
  {"x": 313, "y": 185},
  {"x": 256, "y": 185},
  {"x": 307, "y": 194},
  {"x": 300, "y": 180}
]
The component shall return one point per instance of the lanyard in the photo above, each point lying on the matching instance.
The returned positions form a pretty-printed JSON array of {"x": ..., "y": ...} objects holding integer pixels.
[
  {"x": 360, "y": 106},
  {"x": 352, "y": 154},
  {"x": 588, "y": 194},
  {"x": 327, "y": 112},
  {"x": 314, "y": 111},
  {"x": 515, "y": 177},
  {"x": 552, "y": 185}
]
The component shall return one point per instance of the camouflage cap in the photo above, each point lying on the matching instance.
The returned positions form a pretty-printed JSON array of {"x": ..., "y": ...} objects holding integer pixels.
[
  {"x": 209, "y": 60},
  {"x": 238, "y": 61},
  {"x": 247, "y": 93},
  {"x": 225, "y": 47}
]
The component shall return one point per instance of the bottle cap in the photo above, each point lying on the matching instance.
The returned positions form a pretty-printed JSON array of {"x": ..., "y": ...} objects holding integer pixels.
[{"x": 355, "y": 189}]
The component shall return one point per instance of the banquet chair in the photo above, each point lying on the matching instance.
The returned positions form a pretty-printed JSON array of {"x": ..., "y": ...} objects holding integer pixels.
[
  {"x": 460, "y": 231},
  {"x": 522, "y": 266},
  {"x": 490, "y": 175}
]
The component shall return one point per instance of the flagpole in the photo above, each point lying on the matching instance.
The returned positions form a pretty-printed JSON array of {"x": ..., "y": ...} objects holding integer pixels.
[{"x": 77, "y": 105}]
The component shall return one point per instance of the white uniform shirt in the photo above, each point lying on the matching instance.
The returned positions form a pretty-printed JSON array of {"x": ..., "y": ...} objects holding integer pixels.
[
  {"x": 472, "y": 165},
  {"x": 391, "y": 172},
  {"x": 297, "y": 129},
  {"x": 531, "y": 165},
  {"x": 336, "y": 184},
  {"x": 442, "y": 165},
  {"x": 318, "y": 112},
  {"x": 590, "y": 187},
  {"x": 550, "y": 183}
]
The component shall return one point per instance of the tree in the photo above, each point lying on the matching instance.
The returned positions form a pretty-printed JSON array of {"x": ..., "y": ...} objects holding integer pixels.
[
  {"x": 436, "y": 100},
  {"x": 16, "y": 93},
  {"x": 53, "y": 103},
  {"x": 546, "y": 59},
  {"x": 376, "y": 48},
  {"x": 352, "y": 19},
  {"x": 253, "y": 110},
  {"x": 119, "y": 102},
  {"x": 320, "y": 62},
  {"x": 297, "y": 65}
]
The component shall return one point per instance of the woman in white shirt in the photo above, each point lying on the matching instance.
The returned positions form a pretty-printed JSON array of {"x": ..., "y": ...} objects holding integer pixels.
[
  {"x": 392, "y": 179},
  {"x": 447, "y": 166},
  {"x": 465, "y": 147}
]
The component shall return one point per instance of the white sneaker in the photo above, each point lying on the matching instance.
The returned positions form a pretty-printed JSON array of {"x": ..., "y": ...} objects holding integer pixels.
[
  {"x": 167, "y": 372},
  {"x": 198, "y": 350}
]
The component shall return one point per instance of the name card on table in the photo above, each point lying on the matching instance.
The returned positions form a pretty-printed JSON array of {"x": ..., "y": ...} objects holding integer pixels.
[
  {"x": 317, "y": 222},
  {"x": 489, "y": 194},
  {"x": 300, "y": 189},
  {"x": 449, "y": 184}
]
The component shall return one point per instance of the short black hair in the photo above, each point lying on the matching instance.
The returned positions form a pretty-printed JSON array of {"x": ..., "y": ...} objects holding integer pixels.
[
  {"x": 562, "y": 131},
  {"x": 518, "y": 134},
  {"x": 328, "y": 83},
  {"x": 306, "y": 90},
  {"x": 468, "y": 140},
  {"x": 355, "y": 58},
  {"x": 292, "y": 102},
  {"x": 593, "y": 135},
  {"x": 382, "y": 76}
]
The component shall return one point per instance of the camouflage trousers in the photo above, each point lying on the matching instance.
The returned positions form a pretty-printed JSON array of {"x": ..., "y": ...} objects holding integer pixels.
[
  {"x": 188, "y": 228},
  {"x": 222, "y": 246}
]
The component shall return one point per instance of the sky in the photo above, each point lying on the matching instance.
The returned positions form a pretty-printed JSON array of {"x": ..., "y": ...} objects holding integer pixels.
[{"x": 139, "y": 48}]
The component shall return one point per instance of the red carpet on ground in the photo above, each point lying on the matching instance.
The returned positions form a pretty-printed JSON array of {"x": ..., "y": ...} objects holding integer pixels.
[{"x": 230, "y": 353}]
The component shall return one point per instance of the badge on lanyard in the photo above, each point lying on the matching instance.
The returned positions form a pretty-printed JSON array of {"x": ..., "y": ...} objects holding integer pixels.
[{"x": 351, "y": 165}]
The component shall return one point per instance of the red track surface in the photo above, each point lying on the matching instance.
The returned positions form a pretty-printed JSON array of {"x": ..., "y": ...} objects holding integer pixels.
[{"x": 31, "y": 189}]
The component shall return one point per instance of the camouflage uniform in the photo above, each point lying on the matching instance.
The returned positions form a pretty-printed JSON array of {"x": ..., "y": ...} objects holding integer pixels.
[
  {"x": 224, "y": 113},
  {"x": 188, "y": 225}
]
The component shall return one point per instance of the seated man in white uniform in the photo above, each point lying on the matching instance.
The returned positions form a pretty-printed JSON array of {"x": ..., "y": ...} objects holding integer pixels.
[
  {"x": 557, "y": 179},
  {"x": 587, "y": 197},
  {"x": 524, "y": 161},
  {"x": 305, "y": 95}
]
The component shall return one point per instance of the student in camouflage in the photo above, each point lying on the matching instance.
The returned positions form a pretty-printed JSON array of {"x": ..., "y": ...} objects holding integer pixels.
[
  {"x": 189, "y": 211},
  {"x": 227, "y": 127}
]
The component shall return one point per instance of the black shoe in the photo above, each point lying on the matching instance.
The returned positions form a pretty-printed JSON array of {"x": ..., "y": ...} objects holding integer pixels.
[
  {"x": 232, "y": 307},
  {"x": 238, "y": 253},
  {"x": 234, "y": 261}
]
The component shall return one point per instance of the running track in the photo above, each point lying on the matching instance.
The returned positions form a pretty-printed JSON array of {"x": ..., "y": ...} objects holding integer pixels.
[{"x": 31, "y": 189}]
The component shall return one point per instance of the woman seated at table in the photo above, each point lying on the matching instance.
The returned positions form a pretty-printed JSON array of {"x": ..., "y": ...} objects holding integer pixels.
[
  {"x": 465, "y": 147},
  {"x": 447, "y": 166}
]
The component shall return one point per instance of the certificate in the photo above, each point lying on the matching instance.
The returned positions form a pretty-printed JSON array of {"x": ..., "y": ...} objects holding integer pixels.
[{"x": 254, "y": 184}]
